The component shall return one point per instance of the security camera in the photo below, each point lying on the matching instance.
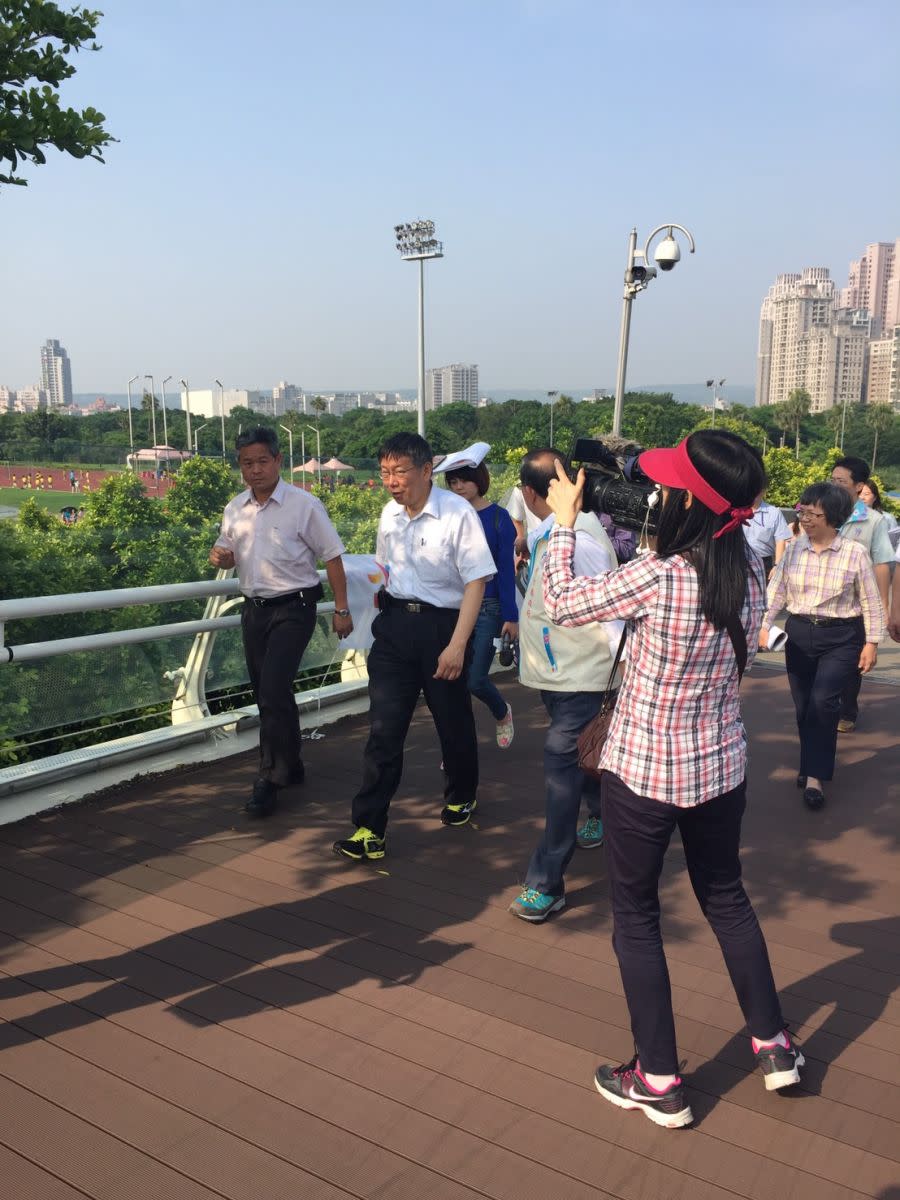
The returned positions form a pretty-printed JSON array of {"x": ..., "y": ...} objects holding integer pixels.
[
  {"x": 640, "y": 274},
  {"x": 667, "y": 253}
]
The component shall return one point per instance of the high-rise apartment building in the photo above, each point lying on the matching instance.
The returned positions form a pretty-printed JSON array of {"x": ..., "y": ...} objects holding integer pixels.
[
  {"x": 795, "y": 339},
  {"x": 883, "y": 383},
  {"x": 874, "y": 284},
  {"x": 30, "y": 399},
  {"x": 455, "y": 384},
  {"x": 287, "y": 397},
  {"x": 7, "y": 399},
  {"x": 56, "y": 374}
]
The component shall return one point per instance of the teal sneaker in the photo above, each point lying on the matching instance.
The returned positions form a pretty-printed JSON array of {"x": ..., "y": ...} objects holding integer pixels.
[
  {"x": 362, "y": 844},
  {"x": 532, "y": 905},
  {"x": 590, "y": 835}
]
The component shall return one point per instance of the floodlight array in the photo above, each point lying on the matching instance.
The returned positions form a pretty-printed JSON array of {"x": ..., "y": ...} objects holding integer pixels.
[{"x": 416, "y": 239}]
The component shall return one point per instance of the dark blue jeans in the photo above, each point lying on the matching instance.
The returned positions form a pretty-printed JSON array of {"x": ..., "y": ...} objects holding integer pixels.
[
  {"x": 638, "y": 830},
  {"x": 487, "y": 627},
  {"x": 566, "y": 784}
]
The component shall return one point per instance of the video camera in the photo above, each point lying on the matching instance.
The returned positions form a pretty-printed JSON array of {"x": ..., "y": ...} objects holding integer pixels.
[{"x": 616, "y": 485}]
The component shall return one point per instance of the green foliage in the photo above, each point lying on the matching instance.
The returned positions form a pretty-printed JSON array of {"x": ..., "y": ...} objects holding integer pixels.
[
  {"x": 35, "y": 38},
  {"x": 202, "y": 488},
  {"x": 792, "y": 413},
  {"x": 787, "y": 477},
  {"x": 748, "y": 430}
]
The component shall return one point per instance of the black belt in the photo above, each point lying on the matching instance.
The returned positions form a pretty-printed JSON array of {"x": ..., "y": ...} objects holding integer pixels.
[
  {"x": 825, "y": 620},
  {"x": 303, "y": 596},
  {"x": 413, "y": 606}
]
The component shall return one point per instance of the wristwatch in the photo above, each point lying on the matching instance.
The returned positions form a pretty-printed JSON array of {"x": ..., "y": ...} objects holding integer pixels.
[{"x": 342, "y": 612}]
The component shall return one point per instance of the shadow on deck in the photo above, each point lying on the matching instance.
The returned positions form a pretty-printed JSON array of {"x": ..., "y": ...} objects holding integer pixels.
[{"x": 198, "y": 1006}]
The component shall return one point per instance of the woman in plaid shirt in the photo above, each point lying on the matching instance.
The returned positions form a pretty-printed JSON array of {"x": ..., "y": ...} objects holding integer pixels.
[
  {"x": 675, "y": 756},
  {"x": 836, "y": 620}
]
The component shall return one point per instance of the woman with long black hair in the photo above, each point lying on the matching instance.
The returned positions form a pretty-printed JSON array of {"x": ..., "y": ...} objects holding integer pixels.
[{"x": 675, "y": 756}]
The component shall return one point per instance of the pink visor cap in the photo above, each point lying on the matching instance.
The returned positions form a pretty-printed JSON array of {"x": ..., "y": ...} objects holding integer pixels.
[{"x": 673, "y": 468}]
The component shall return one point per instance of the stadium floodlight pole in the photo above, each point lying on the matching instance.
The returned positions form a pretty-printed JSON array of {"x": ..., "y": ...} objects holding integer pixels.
[
  {"x": 132, "y": 380},
  {"x": 551, "y": 396},
  {"x": 416, "y": 242},
  {"x": 197, "y": 435},
  {"x": 638, "y": 274},
  {"x": 165, "y": 419},
  {"x": 152, "y": 406},
  {"x": 315, "y": 430},
  {"x": 290, "y": 434},
  {"x": 187, "y": 409},
  {"x": 222, "y": 413}
]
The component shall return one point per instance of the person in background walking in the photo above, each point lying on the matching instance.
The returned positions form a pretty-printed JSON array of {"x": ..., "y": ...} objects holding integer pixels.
[
  {"x": 675, "y": 756},
  {"x": 871, "y": 498},
  {"x": 835, "y": 622},
  {"x": 868, "y": 527},
  {"x": 499, "y": 615},
  {"x": 768, "y": 533}
]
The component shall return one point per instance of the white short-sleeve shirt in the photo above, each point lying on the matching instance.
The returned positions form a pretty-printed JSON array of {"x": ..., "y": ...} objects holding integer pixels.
[
  {"x": 433, "y": 555},
  {"x": 276, "y": 545}
]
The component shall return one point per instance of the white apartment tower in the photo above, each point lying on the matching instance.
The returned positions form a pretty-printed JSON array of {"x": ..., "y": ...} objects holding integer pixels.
[
  {"x": 56, "y": 374},
  {"x": 456, "y": 384},
  {"x": 795, "y": 339}
]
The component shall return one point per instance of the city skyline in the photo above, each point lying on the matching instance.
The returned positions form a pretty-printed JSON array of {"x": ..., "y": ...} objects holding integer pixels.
[{"x": 246, "y": 233}]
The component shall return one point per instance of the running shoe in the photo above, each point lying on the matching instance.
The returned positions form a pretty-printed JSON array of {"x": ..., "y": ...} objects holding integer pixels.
[
  {"x": 590, "y": 835},
  {"x": 361, "y": 844},
  {"x": 532, "y": 905},
  {"x": 626, "y": 1087},
  {"x": 779, "y": 1063}
]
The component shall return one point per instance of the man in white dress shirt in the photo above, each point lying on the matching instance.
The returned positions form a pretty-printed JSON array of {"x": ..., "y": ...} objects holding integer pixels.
[
  {"x": 275, "y": 534},
  {"x": 433, "y": 547}
]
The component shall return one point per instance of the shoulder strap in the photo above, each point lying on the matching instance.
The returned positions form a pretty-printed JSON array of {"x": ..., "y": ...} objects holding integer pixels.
[
  {"x": 617, "y": 659},
  {"x": 739, "y": 642}
]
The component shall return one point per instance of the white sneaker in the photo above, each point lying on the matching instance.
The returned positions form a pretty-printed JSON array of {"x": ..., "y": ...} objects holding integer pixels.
[{"x": 505, "y": 730}]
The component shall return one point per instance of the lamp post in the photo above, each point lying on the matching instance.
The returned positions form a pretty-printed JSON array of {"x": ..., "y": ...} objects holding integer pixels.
[
  {"x": 551, "y": 396},
  {"x": 165, "y": 418},
  {"x": 290, "y": 449},
  {"x": 416, "y": 242},
  {"x": 222, "y": 413},
  {"x": 187, "y": 409},
  {"x": 638, "y": 274},
  {"x": 130, "y": 425},
  {"x": 318, "y": 451},
  {"x": 197, "y": 435},
  {"x": 715, "y": 385},
  {"x": 152, "y": 406}
]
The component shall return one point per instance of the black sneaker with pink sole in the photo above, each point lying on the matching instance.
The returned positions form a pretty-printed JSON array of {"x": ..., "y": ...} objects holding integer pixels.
[
  {"x": 779, "y": 1064},
  {"x": 626, "y": 1087}
]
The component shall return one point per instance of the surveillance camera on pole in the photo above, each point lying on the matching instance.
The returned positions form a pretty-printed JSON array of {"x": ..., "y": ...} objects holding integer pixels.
[{"x": 638, "y": 274}]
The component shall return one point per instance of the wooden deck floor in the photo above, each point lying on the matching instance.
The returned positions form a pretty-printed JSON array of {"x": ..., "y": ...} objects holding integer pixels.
[{"x": 197, "y": 1006}]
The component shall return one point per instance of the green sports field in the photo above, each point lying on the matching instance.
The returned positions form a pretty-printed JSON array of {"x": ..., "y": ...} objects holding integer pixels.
[{"x": 14, "y": 497}]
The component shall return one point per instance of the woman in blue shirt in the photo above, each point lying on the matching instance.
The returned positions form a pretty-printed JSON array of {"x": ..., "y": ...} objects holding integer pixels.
[{"x": 499, "y": 614}]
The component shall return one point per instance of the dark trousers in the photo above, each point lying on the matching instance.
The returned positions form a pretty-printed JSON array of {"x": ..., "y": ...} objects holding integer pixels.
[
  {"x": 850, "y": 697},
  {"x": 638, "y": 830},
  {"x": 822, "y": 661},
  {"x": 402, "y": 663},
  {"x": 275, "y": 638},
  {"x": 565, "y": 783}
]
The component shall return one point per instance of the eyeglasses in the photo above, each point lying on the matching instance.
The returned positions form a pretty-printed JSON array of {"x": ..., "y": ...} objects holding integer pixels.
[
  {"x": 809, "y": 514},
  {"x": 395, "y": 473}
]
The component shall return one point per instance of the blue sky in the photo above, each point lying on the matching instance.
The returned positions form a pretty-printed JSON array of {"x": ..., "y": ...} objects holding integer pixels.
[{"x": 242, "y": 228}]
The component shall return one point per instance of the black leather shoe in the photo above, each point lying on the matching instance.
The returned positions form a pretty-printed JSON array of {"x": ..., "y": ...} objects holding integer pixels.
[
  {"x": 801, "y": 782},
  {"x": 264, "y": 800},
  {"x": 814, "y": 798}
]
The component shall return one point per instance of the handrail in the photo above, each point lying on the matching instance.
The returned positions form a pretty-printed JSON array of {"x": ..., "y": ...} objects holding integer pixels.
[{"x": 68, "y": 602}]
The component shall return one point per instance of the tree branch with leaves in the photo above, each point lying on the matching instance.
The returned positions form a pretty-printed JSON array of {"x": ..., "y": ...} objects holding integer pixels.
[{"x": 36, "y": 38}]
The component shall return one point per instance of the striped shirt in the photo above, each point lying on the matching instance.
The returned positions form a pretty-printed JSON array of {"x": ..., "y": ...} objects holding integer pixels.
[
  {"x": 838, "y": 582},
  {"x": 676, "y": 733}
]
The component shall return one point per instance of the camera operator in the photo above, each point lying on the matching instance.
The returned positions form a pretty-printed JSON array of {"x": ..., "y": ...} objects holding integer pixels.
[
  {"x": 675, "y": 756},
  {"x": 569, "y": 668}
]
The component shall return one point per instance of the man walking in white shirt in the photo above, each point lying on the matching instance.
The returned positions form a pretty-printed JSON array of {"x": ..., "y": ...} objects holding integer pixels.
[
  {"x": 275, "y": 534},
  {"x": 437, "y": 559}
]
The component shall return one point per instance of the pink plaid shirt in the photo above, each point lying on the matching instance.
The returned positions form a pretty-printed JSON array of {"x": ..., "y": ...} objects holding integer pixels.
[
  {"x": 838, "y": 582},
  {"x": 676, "y": 734}
]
